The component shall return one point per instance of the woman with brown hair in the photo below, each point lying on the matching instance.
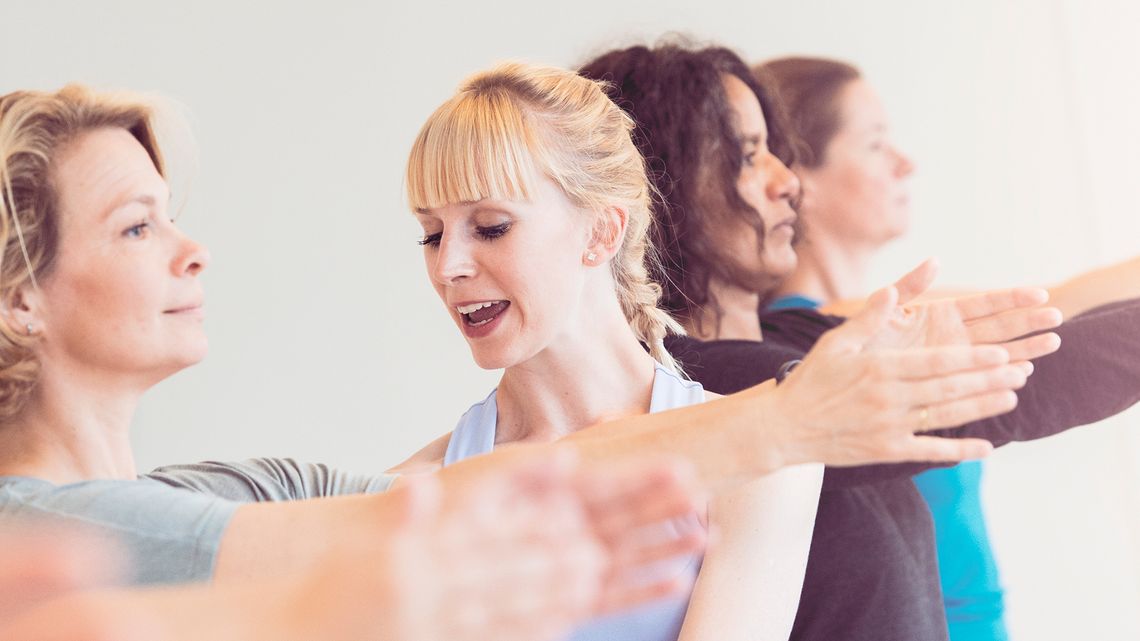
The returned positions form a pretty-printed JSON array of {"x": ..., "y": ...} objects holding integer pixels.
[
  {"x": 854, "y": 201},
  {"x": 719, "y": 148}
]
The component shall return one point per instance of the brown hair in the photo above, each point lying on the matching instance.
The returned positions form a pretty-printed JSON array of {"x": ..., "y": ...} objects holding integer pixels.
[
  {"x": 34, "y": 128},
  {"x": 809, "y": 89},
  {"x": 687, "y": 130},
  {"x": 507, "y": 127}
]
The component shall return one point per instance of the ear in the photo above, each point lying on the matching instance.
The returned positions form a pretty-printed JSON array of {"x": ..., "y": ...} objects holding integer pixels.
[
  {"x": 606, "y": 236},
  {"x": 20, "y": 310}
]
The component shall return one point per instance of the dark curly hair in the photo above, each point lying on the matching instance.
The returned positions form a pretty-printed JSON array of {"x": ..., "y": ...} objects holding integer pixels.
[{"x": 686, "y": 129}]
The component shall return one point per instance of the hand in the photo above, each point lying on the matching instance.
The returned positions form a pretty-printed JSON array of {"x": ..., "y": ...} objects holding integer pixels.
[
  {"x": 999, "y": 317},
  {"x": 531, "y": 551},
  {"x": 852, "y": 402}
]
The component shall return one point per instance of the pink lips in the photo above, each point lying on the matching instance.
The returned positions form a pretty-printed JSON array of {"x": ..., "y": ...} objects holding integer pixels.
[{"x": 482, "y": 322}]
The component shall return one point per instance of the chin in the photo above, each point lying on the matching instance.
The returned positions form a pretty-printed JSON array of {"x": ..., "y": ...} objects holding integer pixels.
[
  {"x": 781, "y": 261},
  {"x": 491, "y": 359}
]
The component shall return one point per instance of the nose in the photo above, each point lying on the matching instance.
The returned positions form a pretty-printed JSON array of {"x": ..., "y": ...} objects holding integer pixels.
[
  {"x": 783, "y": 184},
  {"x": 192, "y": 257},
  {"x": 904, "y": 166},
  {"x": 452, "y": 260}
]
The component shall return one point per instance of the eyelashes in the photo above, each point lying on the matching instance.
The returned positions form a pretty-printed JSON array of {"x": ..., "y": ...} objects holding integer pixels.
[
  {"x": 484, "y": 233},
  {"x": 430, "y": 239}
]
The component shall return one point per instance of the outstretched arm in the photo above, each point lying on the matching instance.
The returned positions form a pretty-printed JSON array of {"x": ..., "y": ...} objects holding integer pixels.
[
  {"x": 1081, "y": 293},
  {"x": 1117, "y": 282}
]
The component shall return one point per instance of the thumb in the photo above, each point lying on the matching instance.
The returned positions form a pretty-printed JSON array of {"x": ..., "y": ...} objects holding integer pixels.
[
  {"x": 917, "y": 281},
  {"x": 873, "y": 317}
]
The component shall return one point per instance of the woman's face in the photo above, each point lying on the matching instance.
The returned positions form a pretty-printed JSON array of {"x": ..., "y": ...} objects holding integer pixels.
[
  {"x": 511, "y": 273},
  {"x": 859, "y": 193},
  {"x": 765, "y": 184},
  {"x": 123, "y": 297}
]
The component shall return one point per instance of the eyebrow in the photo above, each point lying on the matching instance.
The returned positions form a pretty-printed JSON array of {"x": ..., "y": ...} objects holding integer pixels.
[
  {"x": 142, "y": 199},
  {"x": 426, "y": 211}
]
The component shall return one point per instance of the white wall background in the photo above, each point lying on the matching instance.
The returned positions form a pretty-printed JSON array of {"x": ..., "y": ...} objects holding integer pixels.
[{"x": 328, "y": 344}]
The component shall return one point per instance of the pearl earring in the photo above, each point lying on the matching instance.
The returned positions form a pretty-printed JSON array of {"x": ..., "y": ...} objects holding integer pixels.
[{"x": 30, "y": 328}]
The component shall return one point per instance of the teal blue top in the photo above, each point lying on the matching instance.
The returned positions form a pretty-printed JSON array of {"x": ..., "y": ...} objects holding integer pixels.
[
  {"x": 657, "y": 621},
  {"x": 971, "y": 587}
]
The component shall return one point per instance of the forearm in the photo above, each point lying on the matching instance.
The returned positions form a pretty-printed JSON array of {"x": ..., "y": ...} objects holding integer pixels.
[
  {"x": 1098, "y": 287},
  {"x": 752, "y": 575},
  {"x": 272, "y": 540},
  {"x": 728, "y": 441},
  {"x": 236, "y": 613}
]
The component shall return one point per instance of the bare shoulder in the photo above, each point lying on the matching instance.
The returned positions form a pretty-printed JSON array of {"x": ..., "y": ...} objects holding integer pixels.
[{"x": 427, "y": 460}]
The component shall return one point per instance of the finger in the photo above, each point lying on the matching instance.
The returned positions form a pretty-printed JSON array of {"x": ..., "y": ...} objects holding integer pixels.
[
  {"x": 960, "y": 412},
  {"x": 1013, "y": 324},
  {"x": 917, "y": 281},
  {"x": 617, "y": 503},
  {"x": 996, "y": 302},
  {"x": 944, "y": 450},
  {"x": 964, "y": 385},
  {"x": 854, "y": 333},
  {"x": 923, "y": 363},
  {"x": 621, "y": 597},
  {"x": 630, "y": 556},
  {"x": 1026, "y": 349}
]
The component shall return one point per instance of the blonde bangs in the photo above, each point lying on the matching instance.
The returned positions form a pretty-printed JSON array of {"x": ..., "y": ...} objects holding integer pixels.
[{"x": 478, "y": 145}]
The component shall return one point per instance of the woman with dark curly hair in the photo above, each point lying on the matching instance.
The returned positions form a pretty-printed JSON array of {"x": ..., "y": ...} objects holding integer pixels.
[{"x": 720, "y": 148}]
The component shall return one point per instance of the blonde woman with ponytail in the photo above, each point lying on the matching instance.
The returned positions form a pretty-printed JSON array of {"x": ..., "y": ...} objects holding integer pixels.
[{"x": 536, "y": 212}]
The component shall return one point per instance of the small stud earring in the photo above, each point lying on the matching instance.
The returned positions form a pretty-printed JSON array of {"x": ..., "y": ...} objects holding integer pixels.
[
  {"x": 591, "y": 256},
  {"x": 30, "y": 328}
]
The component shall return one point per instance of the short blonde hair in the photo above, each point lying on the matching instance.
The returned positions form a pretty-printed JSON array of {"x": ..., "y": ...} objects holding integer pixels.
[
  {"x": 34, "y": 128},
  {"x": 508, "y": 127}
]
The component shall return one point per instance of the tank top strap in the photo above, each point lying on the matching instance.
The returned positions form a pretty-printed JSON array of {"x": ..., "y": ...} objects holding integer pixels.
[
  {"x": 671, "y": 391},
  {"x": 475, "y": 432}
]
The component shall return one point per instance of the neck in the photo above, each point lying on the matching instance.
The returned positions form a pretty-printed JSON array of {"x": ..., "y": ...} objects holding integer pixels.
[
  {"x": 597, "y": 371},
  {"x": 829, "y": 269},
  {"x": 738, "y": 318},
  {"x": 69, "y": 433}
]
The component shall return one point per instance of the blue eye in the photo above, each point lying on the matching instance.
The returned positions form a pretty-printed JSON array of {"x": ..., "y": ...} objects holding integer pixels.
[
  {"x": 491, "y": 233},
  {"x": 431, "y": 240},
  {"x": 137, "y": 230}
]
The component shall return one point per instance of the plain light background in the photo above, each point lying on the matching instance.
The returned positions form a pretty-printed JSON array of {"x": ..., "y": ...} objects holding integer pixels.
[{"x": 327, "y": 343}]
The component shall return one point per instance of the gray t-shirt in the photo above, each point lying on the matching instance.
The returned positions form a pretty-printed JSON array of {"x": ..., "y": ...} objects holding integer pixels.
[
  {"x": 168, "y": 535},
  {"x": 268, "y": 479},
  {"x": 170, "y": 522}
]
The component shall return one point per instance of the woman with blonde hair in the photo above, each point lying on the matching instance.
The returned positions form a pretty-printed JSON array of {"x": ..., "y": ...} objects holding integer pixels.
[
  {"x": 100, "y": 300},
  {"x": 535, "y": 206}
]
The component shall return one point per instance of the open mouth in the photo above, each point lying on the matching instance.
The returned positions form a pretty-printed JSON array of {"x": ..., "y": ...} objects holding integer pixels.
[{"x": 477, "y": 314}]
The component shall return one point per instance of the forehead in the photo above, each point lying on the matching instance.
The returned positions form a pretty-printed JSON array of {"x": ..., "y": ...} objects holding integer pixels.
[
  {"x": 861, "y": 106},
  {"x": 548, "y": 197},
  {"x": 103, "y": 168},
  {"x": 745, "y": 106}
]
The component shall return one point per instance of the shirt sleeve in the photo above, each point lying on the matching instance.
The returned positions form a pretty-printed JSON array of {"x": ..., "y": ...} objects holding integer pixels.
[
  {"x": 268, "y": 479},
  {"x": 168, "y": 535},
  {"x": 1094, "y": 375}
]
